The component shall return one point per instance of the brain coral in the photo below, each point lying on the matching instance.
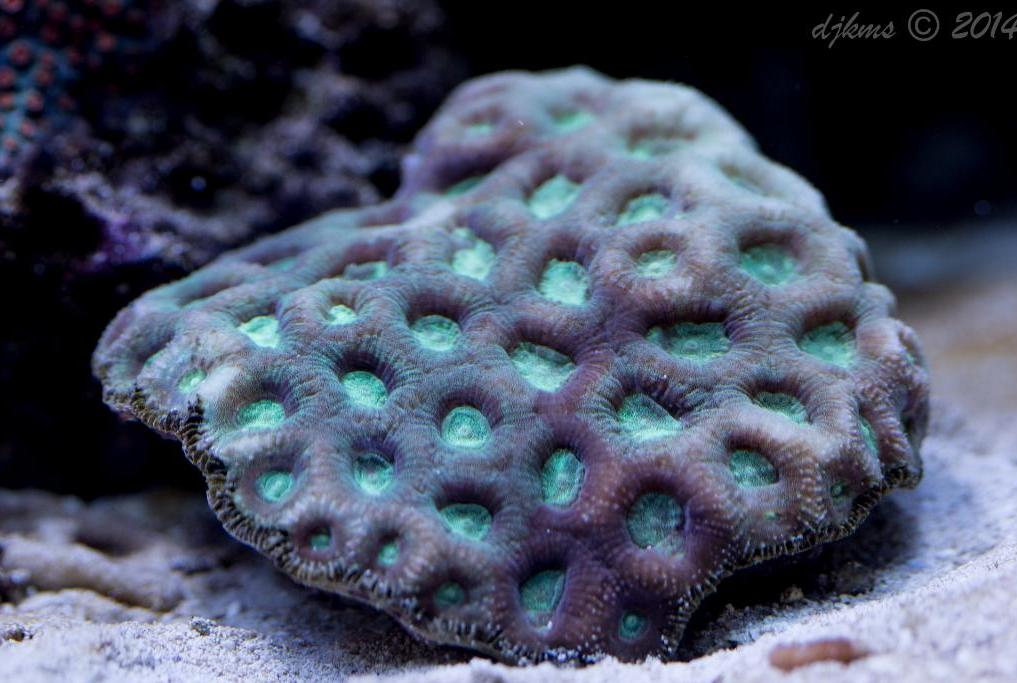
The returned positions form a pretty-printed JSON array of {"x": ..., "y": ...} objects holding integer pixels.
[{"x": 595, "y": 355}]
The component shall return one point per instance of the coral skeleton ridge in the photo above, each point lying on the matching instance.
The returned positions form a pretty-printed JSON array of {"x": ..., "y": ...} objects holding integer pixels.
[{"x": 595, "y": 355}]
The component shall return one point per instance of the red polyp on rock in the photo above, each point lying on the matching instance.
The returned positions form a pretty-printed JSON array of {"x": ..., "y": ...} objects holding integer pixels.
[
  {"x": 20, "y": 53},
  {"x": 112, "y": 7},
  {"x": 34, "y": 102},
  {"x": 106, "y": 42}
]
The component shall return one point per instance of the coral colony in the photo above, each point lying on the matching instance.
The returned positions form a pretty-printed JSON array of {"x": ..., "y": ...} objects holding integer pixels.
[{"x": 595, "y": 355}]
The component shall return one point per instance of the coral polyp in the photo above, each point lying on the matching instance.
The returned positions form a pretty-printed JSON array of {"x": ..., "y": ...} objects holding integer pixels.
[{"x": 596, "y": 354}]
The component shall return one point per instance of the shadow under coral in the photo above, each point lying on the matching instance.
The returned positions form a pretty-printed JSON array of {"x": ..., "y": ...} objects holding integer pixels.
[
  {"x": 745, "y": 601},
  {"x": 909, "y": 537}
]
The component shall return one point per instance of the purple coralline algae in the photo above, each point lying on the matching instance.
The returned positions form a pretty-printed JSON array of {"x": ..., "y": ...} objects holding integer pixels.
[{"x": 595, "y": 355}]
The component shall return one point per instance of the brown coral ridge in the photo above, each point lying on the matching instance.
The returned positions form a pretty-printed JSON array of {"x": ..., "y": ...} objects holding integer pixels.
[{"x": 596, "y": 354}]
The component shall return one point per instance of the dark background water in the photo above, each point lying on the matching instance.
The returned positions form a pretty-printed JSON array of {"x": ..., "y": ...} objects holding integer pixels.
[
  {"x": 909, "y": 141},
  {"x": 894, "y": 132}
]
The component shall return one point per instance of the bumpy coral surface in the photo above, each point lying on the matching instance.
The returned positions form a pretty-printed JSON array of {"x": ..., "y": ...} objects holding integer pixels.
[{"x": 595, "y": 355}]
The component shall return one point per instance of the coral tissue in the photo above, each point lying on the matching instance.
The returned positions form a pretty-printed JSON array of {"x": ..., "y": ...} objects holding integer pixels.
[{"x": 595, "y": 355}]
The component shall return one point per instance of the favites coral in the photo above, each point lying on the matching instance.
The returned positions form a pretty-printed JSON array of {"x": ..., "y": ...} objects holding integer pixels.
[{"x": 596, "y": 354}]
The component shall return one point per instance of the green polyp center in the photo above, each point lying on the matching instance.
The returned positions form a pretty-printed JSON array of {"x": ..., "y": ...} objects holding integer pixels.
[
  {"x": 631, "y": 626},
  {"x": 388, "y": 554},
  {"x": 468, "y": 520},
  {"x": 372, "y": 473},
  {"x": 771, "y": 264},
  {"x": 151, "y": 360},
  {"x": 341, "y": 314},
  {"x": 739, "y": 180},
  {"x": 839, "y": 490},
  {"x": 274, "y": 485},
  {"x": 263, "y": 330},
  {"x": 561, "y": 478},
  {"x": 465, "y": 427},
  {"x": 657, "y": 263},
  {"x": 479, "y": 128},
  {"x": 541, "y": 593},
  {"x": 654, "y": 521},
  {"x": 474, "y": 261},
  {"x": 263, "y": 414},
  {"x": 648, "y": 147},
  {"x": 320, "y": 539},
  {"x": 190, "y": 381},
  {"x": 571, "y": 120},
  {"x": 833, "y": 343},
  {"x": 543, "y": 367},
  {"x": 869, "y": 434},
  {"x": 566, "y": 282},
  {"x": 283, "y": 263},
  {"x": 646, "y": 207},
  {"x": 464, "y": 186},
  {"x": 751, "y": 469},
  {"x": 365, "y": 388},
  {"x": 785, "y": 404},
  {"x": 368, "y": 270},
  {"x": 553, "y": 196},
  {"x": 449, "y": 594},
  {"x": 435, "y": 332},
  {"x": 698, "y": 342},
  {"x": 643, "y": 419}
]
